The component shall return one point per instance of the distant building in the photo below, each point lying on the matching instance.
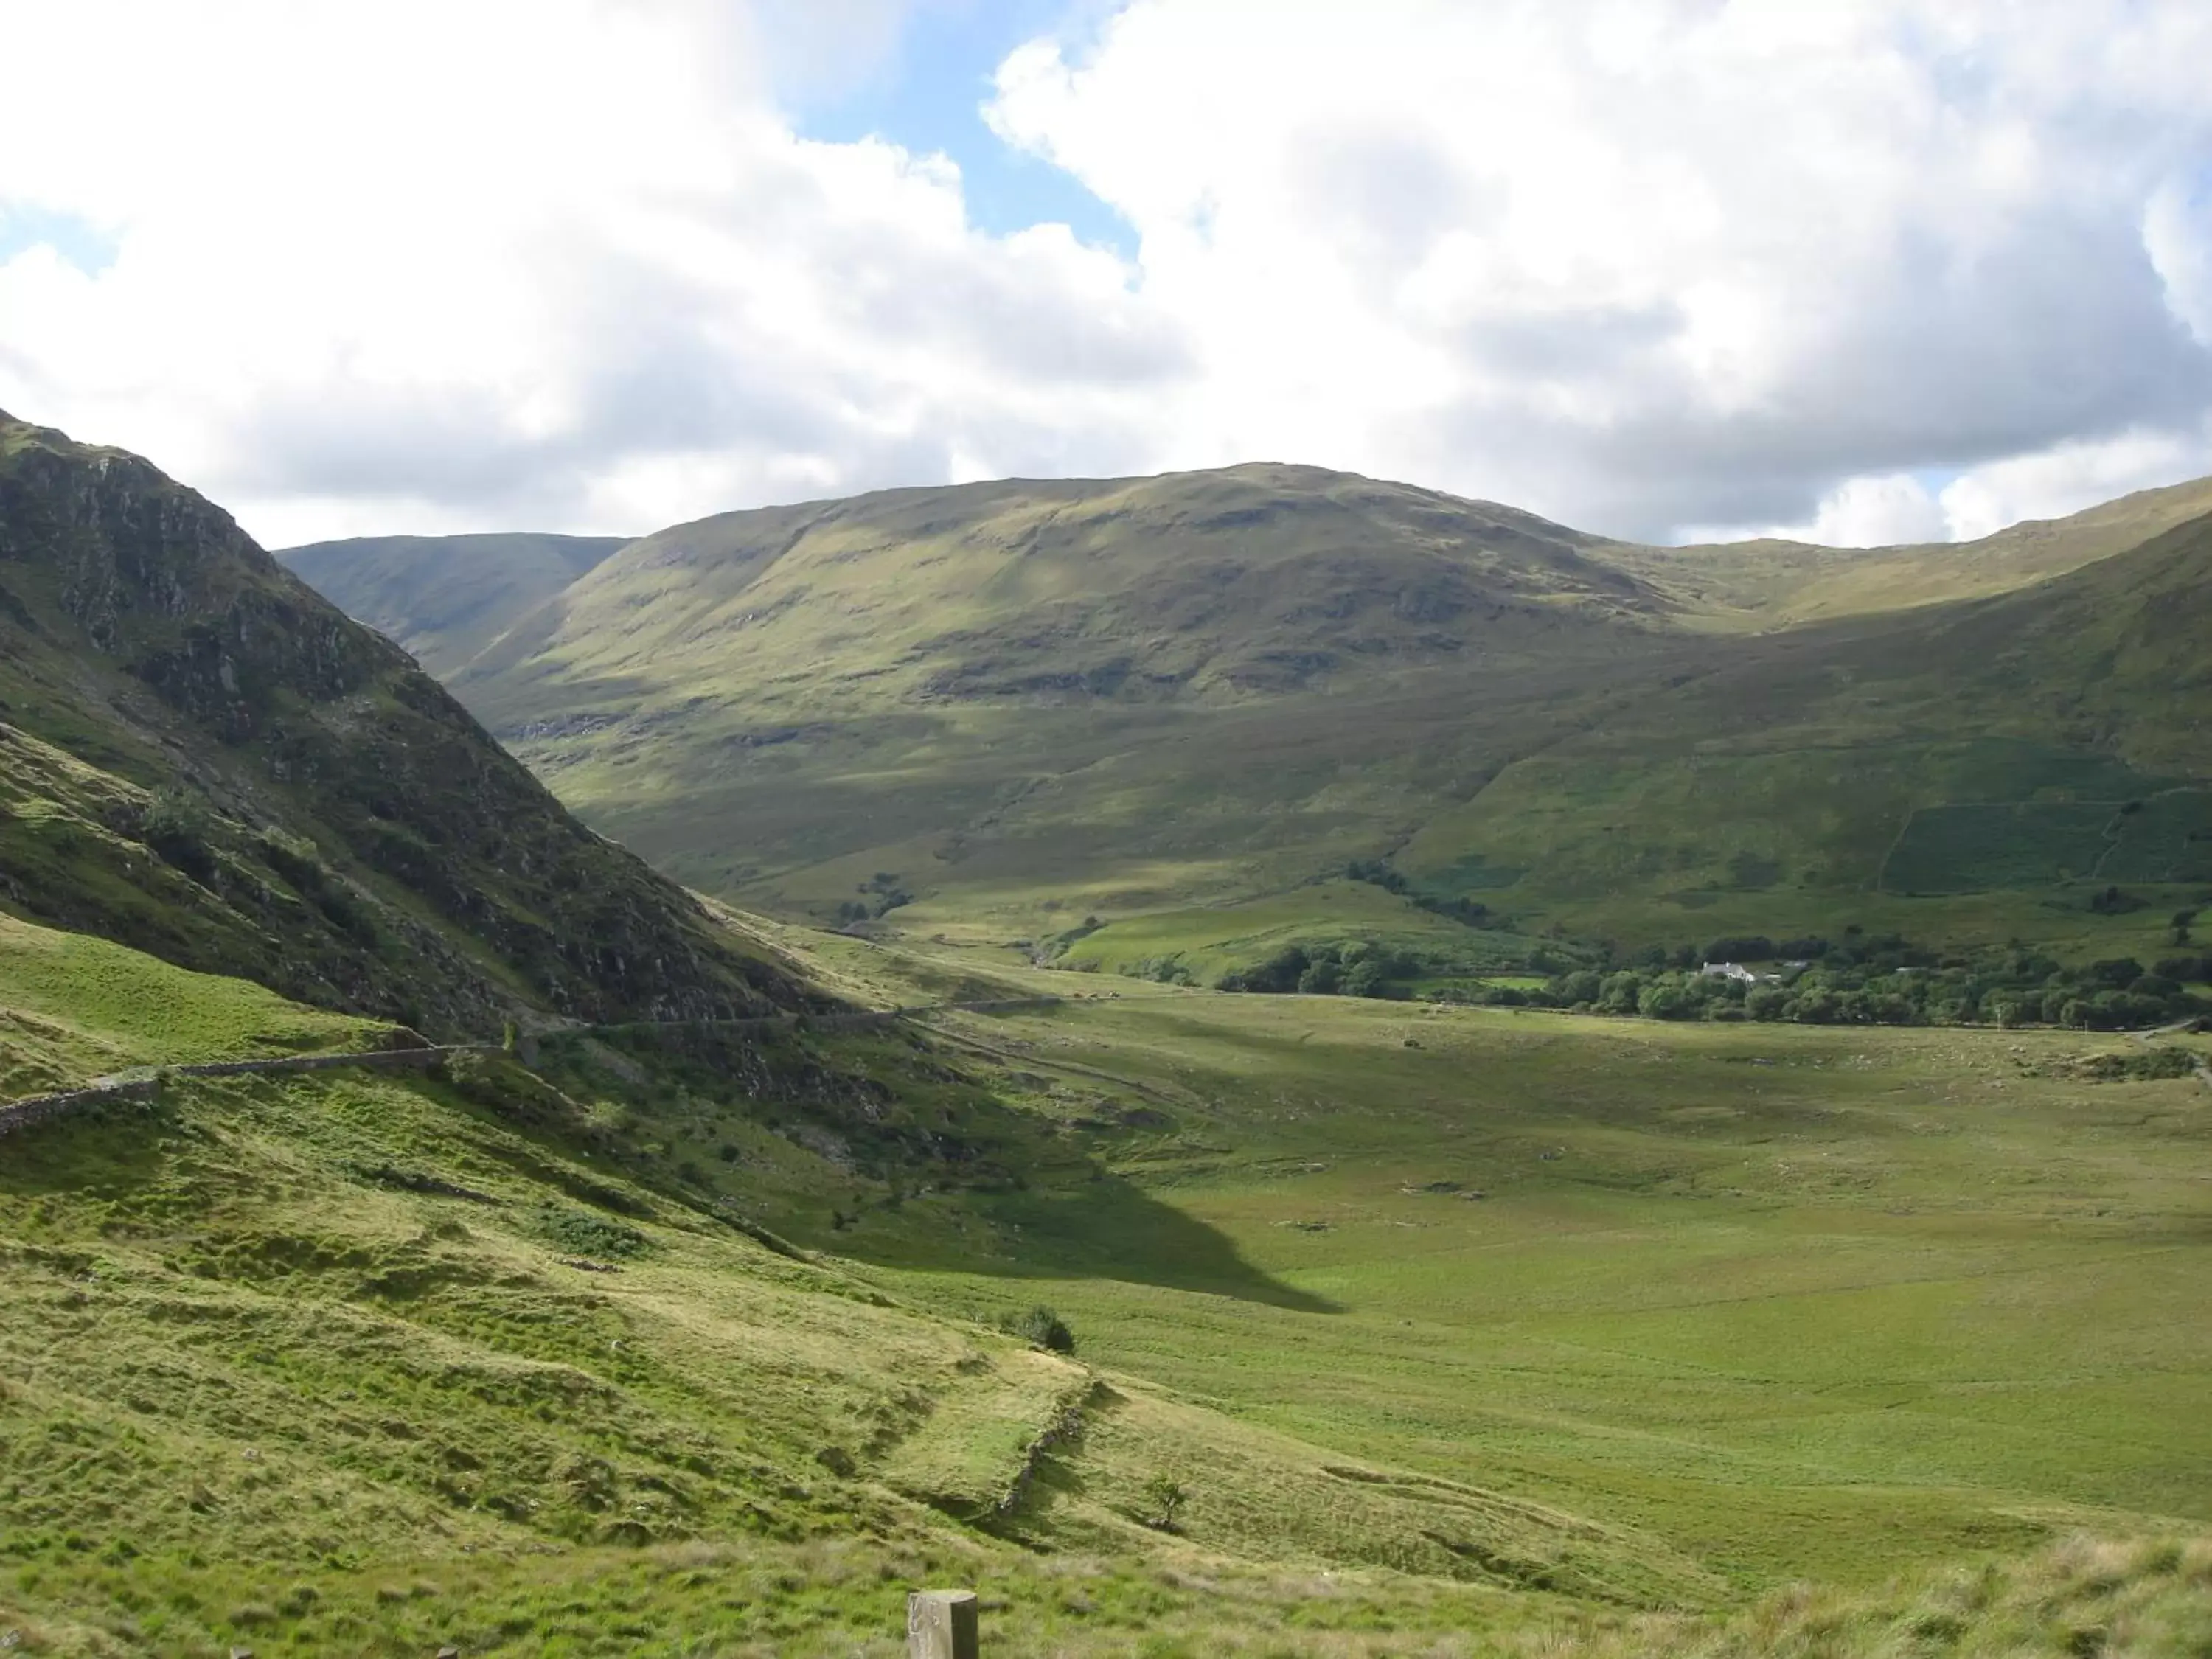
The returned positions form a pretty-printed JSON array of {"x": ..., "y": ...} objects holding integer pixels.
[{"x": 1735, "y": 970}]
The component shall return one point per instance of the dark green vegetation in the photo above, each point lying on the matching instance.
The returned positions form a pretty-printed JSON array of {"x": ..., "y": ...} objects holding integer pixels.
[
  {"x": 443, "y": 599},
  {"x": 1865, "y": 980},
  {"x": 203, "y": 759},
  {"x": 1021, "y": 704}
]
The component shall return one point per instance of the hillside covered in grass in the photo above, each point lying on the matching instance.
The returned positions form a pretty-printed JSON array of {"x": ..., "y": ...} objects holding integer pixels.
[
  {"x": 203, "y": 759},
  {"x": 1175, "y": 1320},
  {"x": 1011, "y": 706},
  {"x": 510, "y": 1360},
  {"x": 443, "y": 599},
  {"x": 695, "y": 1339}
]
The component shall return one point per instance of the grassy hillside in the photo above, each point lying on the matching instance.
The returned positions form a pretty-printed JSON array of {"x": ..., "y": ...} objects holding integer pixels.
[
  {"x": 1107, "y": 682},
  {"x": 1202, "y": 587},
  {"x": 201, "y": 759},
  {"x": 990, "y": 712},
  {"x": 1457, "y": 1332},
  {"x": 1760, "y": 586},
  {"x": 443, "y": 599},
  {"x": 73, "y": 1007},
  {"x": 509, "y": 1360},
  {"x": 1984, "y": 769}
]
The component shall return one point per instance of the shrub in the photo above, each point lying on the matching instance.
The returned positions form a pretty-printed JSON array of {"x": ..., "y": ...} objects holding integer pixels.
[
  {"x": 583, "y": 1233},
  {"x": 1041, "y": 1327},
  {"x": 175, "y": 826},
  {"x": 1366, "y": 978},
  {"x": 1278, "y": 974}
]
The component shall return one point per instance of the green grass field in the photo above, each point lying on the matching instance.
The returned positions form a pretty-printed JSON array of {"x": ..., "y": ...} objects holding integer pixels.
[
  {"x": 1464, "y": 1331},
  {"x": 73, "y": 1007},
  {"x": 1806, "y": 1302}
]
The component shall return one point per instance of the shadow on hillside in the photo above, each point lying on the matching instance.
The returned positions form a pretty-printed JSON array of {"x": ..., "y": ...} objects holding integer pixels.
[
  {"x": 1011, "y": 1201},
  {"x": 102, "y": 1150},
  {"x": 1103, "y": 1227}
]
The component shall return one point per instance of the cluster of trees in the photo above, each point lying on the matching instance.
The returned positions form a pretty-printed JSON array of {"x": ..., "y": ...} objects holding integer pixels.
[
  {"x": 1376, "y": 874},
  {"x": 879, "y": 895},
  {"x": 1360, "y": 967},
  {"x": 1879, "y": 980}
]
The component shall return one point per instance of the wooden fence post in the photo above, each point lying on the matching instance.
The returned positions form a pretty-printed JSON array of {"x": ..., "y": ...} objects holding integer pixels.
[{"x": 941, "y": 1625}]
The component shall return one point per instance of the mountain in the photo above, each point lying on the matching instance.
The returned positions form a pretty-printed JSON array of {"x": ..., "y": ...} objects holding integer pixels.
[
  {"x": 443, "y": 599},
  {"x": 1758, "y": 586},
  {"x": 203, "y": 758},
  {"x": 1983, "y": 768},
  {"x": 890, "y": 684},
  {"x": 1197, "y": 587},
  {"x": 1005, "y": 701},
  {"x": 726, "y": 1335}
]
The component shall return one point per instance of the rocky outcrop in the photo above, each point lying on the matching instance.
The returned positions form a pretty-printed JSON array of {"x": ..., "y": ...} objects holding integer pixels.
[{"x": 331, "y": 823}]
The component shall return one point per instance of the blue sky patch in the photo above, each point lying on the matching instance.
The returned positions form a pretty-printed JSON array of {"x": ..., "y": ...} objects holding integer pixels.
[
  {"x": 79, "y": 241},
  {"x": 929, "y": 97}
]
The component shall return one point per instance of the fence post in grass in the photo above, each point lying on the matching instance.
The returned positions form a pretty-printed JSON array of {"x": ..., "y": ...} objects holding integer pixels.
[{"x": 941, "y": 1625}]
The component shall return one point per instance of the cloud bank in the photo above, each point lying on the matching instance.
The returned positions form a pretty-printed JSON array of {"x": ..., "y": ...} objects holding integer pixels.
[{"x": 1867, "y": 270}]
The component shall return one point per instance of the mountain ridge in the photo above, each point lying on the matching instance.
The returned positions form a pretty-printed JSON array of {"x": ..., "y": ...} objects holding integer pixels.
[
  {"x": 203, "y": 758},
  {"x": 1222, "y": 685}
]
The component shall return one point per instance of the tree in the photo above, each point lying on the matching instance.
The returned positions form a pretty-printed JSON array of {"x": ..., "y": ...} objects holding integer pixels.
[
  {"x": 1364, "y": 979},
  {"x": 1765, "y": 1002},
  {"x": 175, "y": 825},
  {"x": 1620, "y": 994},
  {"x": 1582, "y": 986},
  {"x": 1165, "y": 1497},
  {"x": 1321, "y": 978}
]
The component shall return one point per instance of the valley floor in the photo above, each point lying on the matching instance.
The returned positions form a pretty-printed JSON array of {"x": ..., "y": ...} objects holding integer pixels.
[{"x": 1460, "y": 1331}]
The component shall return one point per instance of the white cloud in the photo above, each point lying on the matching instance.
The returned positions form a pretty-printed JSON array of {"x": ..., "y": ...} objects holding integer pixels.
[
  {"x": 2070, "y": 476},
  {"x": 1645, "y": 264},
  {"x": 1637, "y": 264},
  {"x": 521, "y": 261},
  {"x": 1889, "y": 509}
]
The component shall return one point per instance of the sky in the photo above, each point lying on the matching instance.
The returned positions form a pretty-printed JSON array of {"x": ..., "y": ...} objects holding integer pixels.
[{"x": 1860, "y": 271}]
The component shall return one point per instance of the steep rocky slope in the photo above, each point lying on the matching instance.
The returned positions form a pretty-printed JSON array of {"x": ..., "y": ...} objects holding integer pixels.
[{"x": 201, "y": 757}]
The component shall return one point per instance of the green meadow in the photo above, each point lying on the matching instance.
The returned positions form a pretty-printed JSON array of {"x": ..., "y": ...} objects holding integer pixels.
[
  {"x": 1802, "y": 1303},
  {"x": 1458, "y": 1331},
  {"x": 73, "y": 1007}
]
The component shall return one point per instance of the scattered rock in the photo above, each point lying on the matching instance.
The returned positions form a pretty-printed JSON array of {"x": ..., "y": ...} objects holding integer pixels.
[{"x": 583, "y": 1264}]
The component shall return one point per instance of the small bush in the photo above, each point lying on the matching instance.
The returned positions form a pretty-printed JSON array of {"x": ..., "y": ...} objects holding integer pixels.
[
  {"x": 175, "y": 826},
  {"x": 1041, "y": 1327},
  {"x": 581, "y": 1233}
]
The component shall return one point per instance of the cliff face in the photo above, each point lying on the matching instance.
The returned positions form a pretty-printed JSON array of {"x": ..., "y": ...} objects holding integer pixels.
[{"x": 202, "y": 757}]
